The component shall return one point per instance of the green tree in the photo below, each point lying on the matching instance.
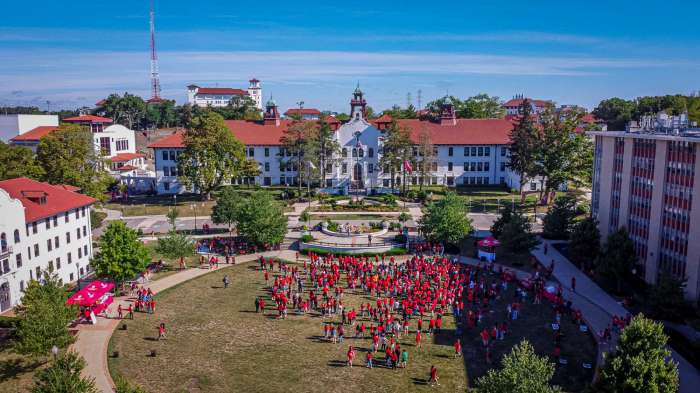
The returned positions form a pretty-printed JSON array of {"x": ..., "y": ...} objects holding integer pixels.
[
  {"x": 397, "y": 148},
  {"x": 162, "y": 114},
  {"x": 435, "y": 107},
  {"x": 618, "y": 257},
  {"x": 224, "y": 212},
  {"x": 211, "y": 155},
  {"x": 240, "y": 108},
  {"x": 640, "y": 363},
  {"x": 446, "y": 220},
  {"x": 501, "y": 221},
  {"x": 323, "y": 148},
  {"x": 524, "y": 144},
  {"x": 63, "y": 376},
  {"x": 559, "y": 220},
  {"x": 522, "y": 371},
  {"x": 128, "y": 110},
  {"x": 481, "y": 106},
  {"x": 176, "y": 246},
  {"x": 584, "y": 246},
  {"x": 427, "y": 157},
  {"x": 68, "y": 156},
  {"x": 260, "y": 219},
  {"x": 44, "y": 317},
  {"x": 121, "y": 254},
  {"x": 296, "y": 140},
  {"x": 18, "y": 161},
  {"x": 666, "y": 297},
  {"x": 517, "y": 236},
  {"x": 616, "y": 112},
  {"x": 172, "y": 216}
]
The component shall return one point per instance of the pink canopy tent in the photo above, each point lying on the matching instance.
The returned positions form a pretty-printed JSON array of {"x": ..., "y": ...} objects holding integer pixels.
[
  {"x": 489, "y": 242},
  {"x": 90, "y": 294}
]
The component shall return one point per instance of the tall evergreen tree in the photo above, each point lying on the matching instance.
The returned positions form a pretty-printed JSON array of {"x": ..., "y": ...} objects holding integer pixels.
[
  {"x": 517, "y": 236},
  {"x": 641, "y": 362},
  {"x": 559, "y": 219},
  {"x": 501, "y": 221},
  {"x": 522, "y": 371},
  {"x": 584, "y": 246},
  {"x": 618, "y": 257},
  {"x": 64, "y": 376}
]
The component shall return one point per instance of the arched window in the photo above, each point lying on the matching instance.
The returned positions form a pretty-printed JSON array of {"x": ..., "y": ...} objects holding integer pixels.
[
  {"x": 370, "y": 152},
  {"x": 16, "y": 236},
  {"x": 3, "y": 242},
  {"x": 354, "y": 152},
  {"x": 361, "y": 152},
  {"x": 345, "y": 152}
]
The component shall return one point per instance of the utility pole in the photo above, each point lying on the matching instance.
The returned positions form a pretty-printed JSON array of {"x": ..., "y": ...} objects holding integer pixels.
[{"x": 420, "y": 94}]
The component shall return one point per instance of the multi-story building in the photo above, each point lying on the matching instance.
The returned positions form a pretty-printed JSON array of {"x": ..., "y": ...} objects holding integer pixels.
[
  {"x": 303, "y": 113},
  {"x": 14, "y": 125},
  {"x": 647, "y": 181},
  {"x": 512, "y": 106},
  {"x": 467, "y": 152},
  {"x": 45, "y": 228},
  {"x": 223, "y": 96}
]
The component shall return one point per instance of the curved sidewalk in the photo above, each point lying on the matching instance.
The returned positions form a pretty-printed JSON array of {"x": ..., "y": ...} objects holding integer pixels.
[
  {"x": 599, "y": 307},
  {"x": 93, "y": 340}
]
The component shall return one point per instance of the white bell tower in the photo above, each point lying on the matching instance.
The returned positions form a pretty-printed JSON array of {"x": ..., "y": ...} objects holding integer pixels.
[{"x": 255, "y": 93}]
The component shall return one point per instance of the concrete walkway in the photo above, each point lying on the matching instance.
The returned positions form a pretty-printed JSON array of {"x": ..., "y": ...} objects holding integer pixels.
[
  {"x": 598, "y": 307},
  {"x": 93, "y": 340}
]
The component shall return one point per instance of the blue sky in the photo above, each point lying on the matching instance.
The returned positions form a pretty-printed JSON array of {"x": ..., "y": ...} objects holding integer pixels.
[{"x": 74, "y": 53}]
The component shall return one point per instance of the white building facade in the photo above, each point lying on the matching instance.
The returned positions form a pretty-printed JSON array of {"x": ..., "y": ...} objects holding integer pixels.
[
  {"x": 469, "y": 152},
  {"x": 45, "y": 228},
  {"x": 223, "y": 96}
]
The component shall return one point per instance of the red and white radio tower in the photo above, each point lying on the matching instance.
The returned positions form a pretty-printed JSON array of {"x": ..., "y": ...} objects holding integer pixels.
[{"x": 155, "y": 81}]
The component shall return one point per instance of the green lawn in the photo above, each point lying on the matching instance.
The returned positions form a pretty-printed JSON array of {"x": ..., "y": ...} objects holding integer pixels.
[
  {"x": 16, "y": 371},
  {"x": 217, "y": 343}
]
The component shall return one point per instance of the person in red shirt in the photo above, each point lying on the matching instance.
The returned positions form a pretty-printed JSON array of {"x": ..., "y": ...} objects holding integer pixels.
[
  {"x": 369, "y": 359},
  {"x": 161, "y": 331},
  {"x": 458, "y": 348},
  {"x": 433, "y": 376},
  {"x": 418, "y": 339},
  {"x": 351, "y": 356}
]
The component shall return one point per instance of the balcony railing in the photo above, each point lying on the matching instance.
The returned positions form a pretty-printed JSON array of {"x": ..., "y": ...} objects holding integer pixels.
[{"x": 5, "y": 252}]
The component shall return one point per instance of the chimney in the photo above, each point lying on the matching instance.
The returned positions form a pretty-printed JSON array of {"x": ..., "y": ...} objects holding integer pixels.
[
  {"x": 448, "y": 117},
  {"x": 272, "y": 116}
]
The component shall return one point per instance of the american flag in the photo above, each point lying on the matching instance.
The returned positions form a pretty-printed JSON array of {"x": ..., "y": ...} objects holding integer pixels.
[{"x": 407, "y": 167}]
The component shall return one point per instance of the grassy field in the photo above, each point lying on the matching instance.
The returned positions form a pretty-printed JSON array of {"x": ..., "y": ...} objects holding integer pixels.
[
  {"x": 217, "y": 343},
  {"x": 16, "y": 371}
]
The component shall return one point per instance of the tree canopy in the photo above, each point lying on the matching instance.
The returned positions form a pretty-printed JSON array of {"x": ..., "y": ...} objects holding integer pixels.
[
  {"x": 68, "y": 156},
  {"x": 640, "y": 363},
  {"x": 617, "y": 112},
  {"x": 211, "y": 155},
  {"x": 64, "y": 376},
  {"x": 559, "y": 220},
  {"x": 396, "y": 148},
  {"x": 121, "y": 254},
  {"x": 584, "y": 246},
  {"x": 18, "y": 161},
  {"x": 618, "y": 257},
  {"x": 516, "y": 234},
  {"x": 446, "y": 220},
  {"x": 260, "y": 219},
  {"x": 44, "y": 317},
  {"x": 522, "y": 371},
  {"x": 480, "y": 106}
]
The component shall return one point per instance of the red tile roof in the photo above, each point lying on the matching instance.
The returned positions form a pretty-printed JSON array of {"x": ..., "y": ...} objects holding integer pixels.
[
  {"x": 88, "y": 118},
  {"x": 68, "y": 187},
  {"x": 332, "y": 120},
  {"x": 58, "y": 199},
  {"x": 465, "y": 132},
  {"x": 516, "y": 102},
  {"x": 121, "y": 157},
  {"x": 34, "y": 134},
  {"x": 126, "y": 168},
  {"x": 385, "y": 118},
  {"x": 303, "y": 111},
  {"x": 221, "y": 90}
]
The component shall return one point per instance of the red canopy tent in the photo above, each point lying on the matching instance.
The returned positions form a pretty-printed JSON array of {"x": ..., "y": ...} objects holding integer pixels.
[
  {"x": 489, "y": 242},
  {"x": 94, "y": 296},
  {"x": 487, "y": 250}
]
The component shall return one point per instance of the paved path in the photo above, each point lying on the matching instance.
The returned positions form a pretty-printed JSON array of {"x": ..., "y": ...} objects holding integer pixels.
[
  {"x": 93, "y": 340},
  {"x": 598, "y": 307}
]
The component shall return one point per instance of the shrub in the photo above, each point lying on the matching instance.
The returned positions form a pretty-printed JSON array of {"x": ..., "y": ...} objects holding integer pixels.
[
  {"x": 306, "y": 238},
  {"x": 394, "y": 226},
  {"x": 9, "y": 322},
  {"x": 400, "y": 238}
]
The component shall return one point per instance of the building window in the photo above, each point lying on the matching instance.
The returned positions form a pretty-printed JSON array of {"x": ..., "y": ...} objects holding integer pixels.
[
  {"x": 503, "y": 166},
  {"x": 449, "y": 167},
  {"x": 122, "y": 144},
  {"x": 370, "y": 168},
  {"x": 466, "y": 151},
  {"x": 49, "y": 245},
  {"x": 251, "y": 152},
  {"x": 67, "y": 237},
  {"x": 370, "y": 152},
  {"x": 503, "y": 152},
  {"x": 105, "y": 147},
  {"x": 165, "y": 155},
  {"x": 487, "y": 151},
  {"x": 80, "y": 252},
  {"x": 55, "y": 221},
  {"x": 486, "y": 166},
  {"x": 267, "y": 167},
  {"x": 329, "y": 183},
  {"x": 50, "y": 267},
  {"x": 48, "y": 223},
  {"x": 69, "y": 257},
  {"x": 172, "y": 155},
  {"x": 166, "y": 171},
  {"x": 29, "y": 253},
  {"x": 361, "y": 152},
  {"x": 67, "y": 217},
  {"x": 450, "y": 151},
  {"x": 354, "y": 152},
  {"x": 58, "y": 263},
  {"x": 55, "y": 242},
  {"x": 533, "y": 186},
  {"x": 77, "y": 214},
  {"x": 84, "y": 230},
  {"x": 38, "y": 273},
  {"x": 77, "y": 232},
  {"x": 344, "y": 168},
  {"x": 85, "y": 250},
  {"x": 473, "y": 149},
  {"x": 34, "y": 227},
  {"x": 450, "y": 180},
  {"x": 71, "y": 276},
  {"x": 466, "y": 166},
  {"x": 480, "y": 152},
  {"x": 21, "y": 285},
  {"x": 267, "y": 152},
  {"x": 479, "y": 166},
  {"x": 166, "y": 186},
  {"x": 345, "y": 152},
  {"x": 18, "y": 260},
  {"x": 82, "y": 211},
  {"x": 16, "y": 236},
  {"x": 36, "y": 250}
]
